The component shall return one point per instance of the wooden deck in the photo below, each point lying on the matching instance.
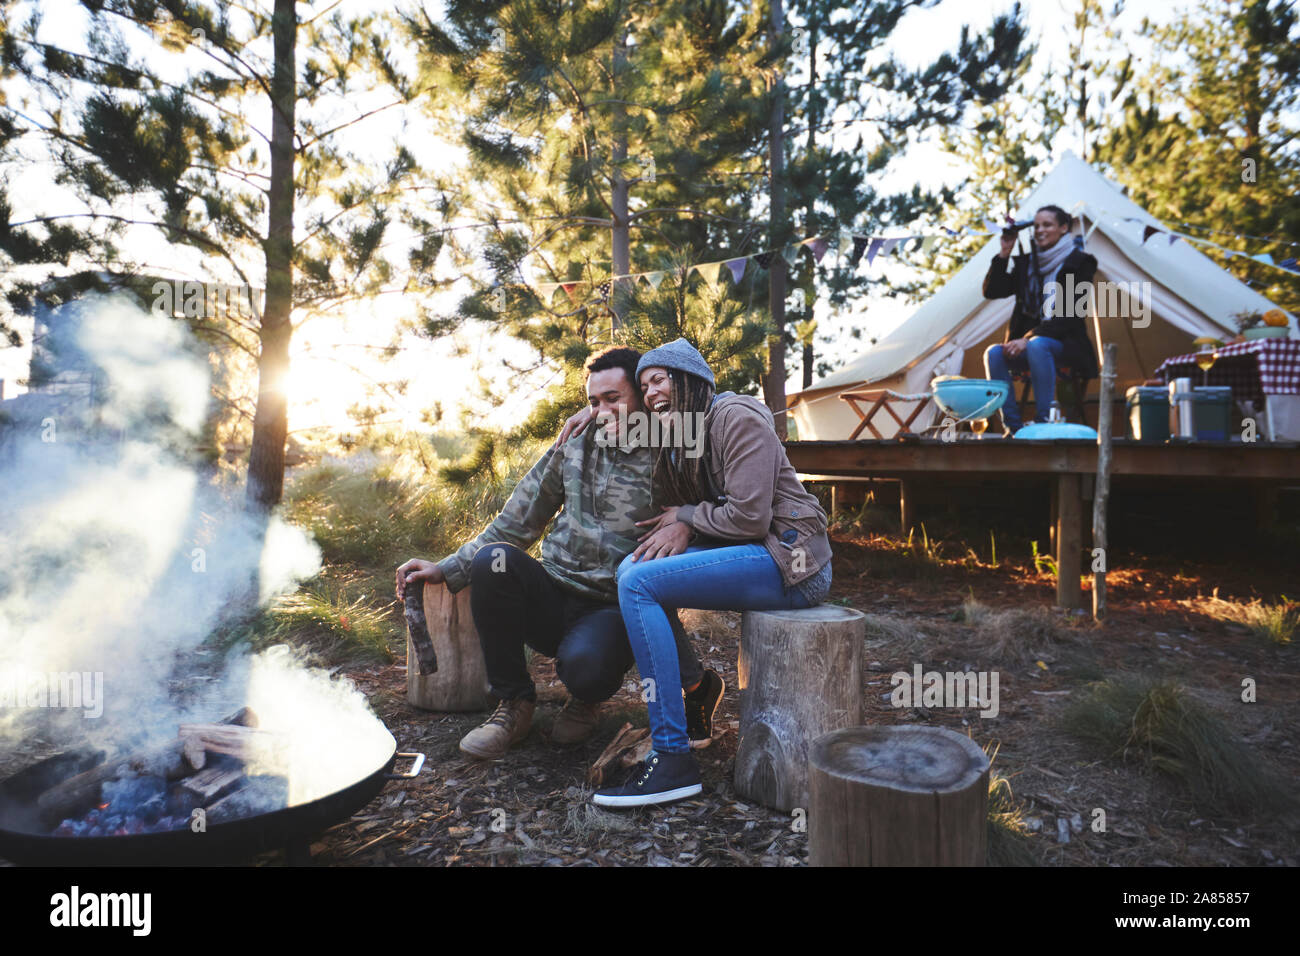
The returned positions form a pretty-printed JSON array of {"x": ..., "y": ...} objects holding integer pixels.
[{"x": 1069, "y": 466}]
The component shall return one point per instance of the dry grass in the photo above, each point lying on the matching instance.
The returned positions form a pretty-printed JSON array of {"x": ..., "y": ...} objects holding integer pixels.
[
  {"x": 1014, "y": 634},
  {"x": 1007, "y": 834},
  {"x": 1163, "y": 726},
  {"x": 586, "y": 822},
  {"x": 1274, "y": 624},
  {"x": 1019, "y": 633}
]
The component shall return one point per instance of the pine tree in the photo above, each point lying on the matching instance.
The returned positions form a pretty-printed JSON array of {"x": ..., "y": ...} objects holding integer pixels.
[
  {"x": 191, "y": 158},
  {"x": 852, "y": 85},
  {"x": 1208, "y": 140},
  {"x": 604, "y": 138}
]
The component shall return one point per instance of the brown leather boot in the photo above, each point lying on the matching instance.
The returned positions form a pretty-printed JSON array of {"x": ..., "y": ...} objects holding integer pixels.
[
  {"x": 575, "y": 723},
  {"x": 508, "y": 725}
]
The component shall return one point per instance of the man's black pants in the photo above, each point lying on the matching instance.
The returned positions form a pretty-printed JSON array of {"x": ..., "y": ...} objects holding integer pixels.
[{"x": 518, "y": 603}]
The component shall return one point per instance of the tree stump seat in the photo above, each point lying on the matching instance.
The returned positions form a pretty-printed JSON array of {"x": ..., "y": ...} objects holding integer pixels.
[
  {"x": 897, "y": 796},
  {"x": 460, "y": 683},
  {"x": 800, "y": 675}
]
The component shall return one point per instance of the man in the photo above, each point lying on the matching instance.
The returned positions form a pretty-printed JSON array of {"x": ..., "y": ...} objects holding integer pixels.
[{"x": 566, "y": 605}]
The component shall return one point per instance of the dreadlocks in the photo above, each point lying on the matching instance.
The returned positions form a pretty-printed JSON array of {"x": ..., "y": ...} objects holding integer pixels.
[{"x": 681, "y": 479}]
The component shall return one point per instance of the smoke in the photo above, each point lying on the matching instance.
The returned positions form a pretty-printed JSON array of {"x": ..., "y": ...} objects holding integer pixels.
[{"x": 118, "y": 557}]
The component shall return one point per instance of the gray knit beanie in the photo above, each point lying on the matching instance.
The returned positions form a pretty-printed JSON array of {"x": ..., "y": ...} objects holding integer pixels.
[{"x": 678, "y": 354}]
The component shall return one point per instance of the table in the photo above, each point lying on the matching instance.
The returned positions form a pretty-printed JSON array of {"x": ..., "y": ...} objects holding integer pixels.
[
  {"x": 1265, "y": 373},
  {"x": 882, "y": 398}
]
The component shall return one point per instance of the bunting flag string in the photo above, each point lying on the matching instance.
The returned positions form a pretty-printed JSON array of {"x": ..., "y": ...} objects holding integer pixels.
[
  {"x": 845, "y": 242},
  {"x": 1263, "y": 258}
]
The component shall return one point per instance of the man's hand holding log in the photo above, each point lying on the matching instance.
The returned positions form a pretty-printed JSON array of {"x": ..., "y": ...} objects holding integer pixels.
[{"x": 417, "y": 569}]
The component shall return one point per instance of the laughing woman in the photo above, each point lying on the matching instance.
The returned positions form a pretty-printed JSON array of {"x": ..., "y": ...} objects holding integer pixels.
[{"x": 741, "y": 533}]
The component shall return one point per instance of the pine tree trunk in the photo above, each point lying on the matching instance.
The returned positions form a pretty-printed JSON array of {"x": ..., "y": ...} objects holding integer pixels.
[
  {"x": 271, "y": 420},
  {"x": 621, "y": 257},
  {"x": 774, "y": 380}
]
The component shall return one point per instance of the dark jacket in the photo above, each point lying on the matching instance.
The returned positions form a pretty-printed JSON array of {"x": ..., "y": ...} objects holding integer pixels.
[
  {"x": 1068, "y": 328},
  {"x": 762, "y": 498}
]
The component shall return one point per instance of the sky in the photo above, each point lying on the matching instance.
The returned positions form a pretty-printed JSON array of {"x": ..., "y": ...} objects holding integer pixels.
[{"x": 334, "y": 356}]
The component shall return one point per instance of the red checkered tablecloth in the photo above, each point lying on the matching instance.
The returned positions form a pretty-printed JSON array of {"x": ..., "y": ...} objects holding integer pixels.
[{"x": 1252, "y": 369}]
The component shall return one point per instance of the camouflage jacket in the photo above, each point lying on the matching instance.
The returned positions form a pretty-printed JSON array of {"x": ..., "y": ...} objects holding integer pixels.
[{"x": 600, "y": 492}]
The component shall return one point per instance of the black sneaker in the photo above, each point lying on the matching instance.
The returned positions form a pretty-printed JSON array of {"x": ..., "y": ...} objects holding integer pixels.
[
  {"x": 660, "y": 778},
  {"x": 701, "y": 705}
]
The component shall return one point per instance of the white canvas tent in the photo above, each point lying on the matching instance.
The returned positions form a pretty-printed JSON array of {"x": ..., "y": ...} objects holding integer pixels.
[{"x": 1189, "y": 296}]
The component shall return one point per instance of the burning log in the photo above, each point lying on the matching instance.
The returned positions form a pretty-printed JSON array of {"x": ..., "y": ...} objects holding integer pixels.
[
  {"x": 213, "y": 783},
  {"x": 172, "y": 761},
  {"x": 231, "y": 740}
]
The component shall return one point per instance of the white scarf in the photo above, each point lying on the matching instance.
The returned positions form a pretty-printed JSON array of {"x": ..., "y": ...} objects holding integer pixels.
[{"x": 1050, "y": 261}]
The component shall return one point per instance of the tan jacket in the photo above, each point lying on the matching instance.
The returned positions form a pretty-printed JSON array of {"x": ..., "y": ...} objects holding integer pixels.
[{"x": 761, "y": 497}]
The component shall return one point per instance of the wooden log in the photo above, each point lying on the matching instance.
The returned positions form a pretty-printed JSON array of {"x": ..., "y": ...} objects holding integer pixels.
[
  {"x": 1101, "y": 498},
  {"x": 173, "y": 760},
  {"x": 460, "y": 683},
  {"x": 213, "y": 783},
  {"x": 897, "y": 796},
  {"x": 417, "y": 629},
  {"x": 800, "y": 675},
  {"x": 234, "y": 741},
  {"x": 79, "y": 793},
  {"x": 628, "y": 748}
]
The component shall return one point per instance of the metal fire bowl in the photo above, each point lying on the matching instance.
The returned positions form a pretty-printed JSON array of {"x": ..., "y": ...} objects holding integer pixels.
[{"x": 25, "y": 840}]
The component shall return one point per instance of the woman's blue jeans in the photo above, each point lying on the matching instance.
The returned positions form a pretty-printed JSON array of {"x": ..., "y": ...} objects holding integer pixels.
[
  {"x": 1040, "y": 357},
  {"x": 740, "y": 577}
]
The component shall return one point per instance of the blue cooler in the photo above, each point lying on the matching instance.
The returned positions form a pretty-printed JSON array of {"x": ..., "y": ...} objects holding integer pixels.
[
  {"x": 1148, "y": 412},
  {"x": 1212, "y": 412}
]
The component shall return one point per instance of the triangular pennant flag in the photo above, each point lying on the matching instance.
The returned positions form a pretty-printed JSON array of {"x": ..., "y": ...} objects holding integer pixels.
[
  {"x": 1289, "y": 264},
  {"x": 859, "y": 247},
  {"x": 927, "y": 244},
  {"x": 654, "y": 278},
  {"x": 991, "y": 226},
  {"x": 874, "y": 248},
  {"x": 568, "y": 287},
  {"x": 603, "y": 290},
  {"x": 1264, "y": 257},
  {"x": 888, "y": 246},
  {"x": 845, "y": 243},
  {"x": 546, "y": 291},
  {"x": 1173, "y": 238},
  {"x": 737, "y": 267},
  {"x": 709, "y": 271},
  {"x": 764, "y": 259},
  {"x": 818, "y": 246},
  {"x": 1148, "y": 232},
  {"x": 789, "y": 254}
]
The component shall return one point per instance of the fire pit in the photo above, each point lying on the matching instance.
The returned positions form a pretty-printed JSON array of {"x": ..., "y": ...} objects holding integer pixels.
[{"x": 199, "y": 799}]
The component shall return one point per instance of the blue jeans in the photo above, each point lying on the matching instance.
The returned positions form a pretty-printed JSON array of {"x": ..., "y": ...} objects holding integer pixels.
[
  {"x": 741, "y": 577},
  {"x": 1039, "y": 357}
]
